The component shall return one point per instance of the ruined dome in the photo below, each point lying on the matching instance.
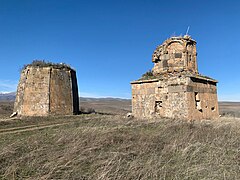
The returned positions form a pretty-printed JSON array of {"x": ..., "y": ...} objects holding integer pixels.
[{"x": 176, "y": 54}]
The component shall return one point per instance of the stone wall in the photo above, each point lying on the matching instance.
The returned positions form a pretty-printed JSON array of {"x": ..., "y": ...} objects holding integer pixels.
[
  {"x": 46, "y": 90},
  {"x": 143, "y": 98},
  {"x": 163, "y": 97},
  {"x": 202, "y": 99},
  {"x": 33, "y": 92},
  {"x": 179, "y": 96},
  {"x": 60, "y": 92}
]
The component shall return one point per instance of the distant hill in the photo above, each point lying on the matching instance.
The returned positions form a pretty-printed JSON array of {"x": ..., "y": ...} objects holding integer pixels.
[
  {"x": 8, "y": 96},
  {"x": 12, "y": 95},
  {"x": 89, "y": 99},
  {"x": 106, "y": 105}
]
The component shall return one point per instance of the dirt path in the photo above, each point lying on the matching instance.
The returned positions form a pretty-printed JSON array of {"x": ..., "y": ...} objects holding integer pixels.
[{"x": 31, "y": 127}]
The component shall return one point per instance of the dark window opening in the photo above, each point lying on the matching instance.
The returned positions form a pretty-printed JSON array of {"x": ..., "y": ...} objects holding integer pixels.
[
  {"x": 178, "y": 55},
  {"x": 165, "y": 63},
  {"x": 158, "y": 106},
  {"x": 190, "y": 58},
  {"x": 197, "y": 102}
]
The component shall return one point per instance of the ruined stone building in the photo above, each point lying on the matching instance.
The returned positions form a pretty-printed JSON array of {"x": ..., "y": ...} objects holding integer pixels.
[
  {"x": 174, "y": 88},
  {"x": 47, "y": 89}
]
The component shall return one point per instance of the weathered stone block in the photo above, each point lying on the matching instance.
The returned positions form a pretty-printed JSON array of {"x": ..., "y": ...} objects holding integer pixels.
[{"x": 47, "y": 90}]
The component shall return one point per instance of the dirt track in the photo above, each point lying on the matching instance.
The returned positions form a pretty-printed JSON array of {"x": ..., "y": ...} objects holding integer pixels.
[
  {"x": 61, "y": 121},
  {"x": 31, "y": 128}
]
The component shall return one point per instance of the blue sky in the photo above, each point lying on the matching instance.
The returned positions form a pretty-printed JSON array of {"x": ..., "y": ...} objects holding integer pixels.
[{"x": 110, "y": 43}]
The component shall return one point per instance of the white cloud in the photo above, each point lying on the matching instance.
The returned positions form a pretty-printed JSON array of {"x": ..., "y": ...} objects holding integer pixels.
[{"x": 8, "y": 86}]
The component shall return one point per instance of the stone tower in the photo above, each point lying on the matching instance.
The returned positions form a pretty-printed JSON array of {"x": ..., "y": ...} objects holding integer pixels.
[
  {"x": 47, "y": 89},
  {"x": 174, "y": 88}
]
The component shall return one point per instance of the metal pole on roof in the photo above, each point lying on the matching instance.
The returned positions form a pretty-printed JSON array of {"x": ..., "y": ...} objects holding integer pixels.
[{"x": 187, "y": 30}]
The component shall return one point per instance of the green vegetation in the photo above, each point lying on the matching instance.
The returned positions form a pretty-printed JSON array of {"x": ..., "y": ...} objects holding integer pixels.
[
  {"x": 148, "y": 75},
  {"x": 43, "y": 63},
  {"x": 112, "y": 147}
]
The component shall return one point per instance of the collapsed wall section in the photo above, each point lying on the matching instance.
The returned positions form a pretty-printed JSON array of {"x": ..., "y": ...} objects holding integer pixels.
[{"x": 175, "y": 54}]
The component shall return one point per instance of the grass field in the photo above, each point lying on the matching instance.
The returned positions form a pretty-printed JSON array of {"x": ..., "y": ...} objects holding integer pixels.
[{"x": 97, "y": 146}]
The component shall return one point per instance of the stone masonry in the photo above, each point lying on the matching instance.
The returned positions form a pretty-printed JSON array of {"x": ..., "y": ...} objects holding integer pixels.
[
  {"x": 174, "y": 88},
  {"x": 45, "y": 90}
]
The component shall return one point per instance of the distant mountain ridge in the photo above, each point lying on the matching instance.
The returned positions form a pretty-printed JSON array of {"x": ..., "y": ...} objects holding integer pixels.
[
  {"x": 90, "y": 99},
  {"x": 10, "y": 96},
  {"x": 7, "y": 96}
]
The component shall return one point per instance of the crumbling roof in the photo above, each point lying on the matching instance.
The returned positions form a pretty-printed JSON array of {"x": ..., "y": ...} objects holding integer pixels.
[
  {"x": 43, "y": 63},
  {"x": 199, "y": 76},
  {"x": 148, "y": 77}
]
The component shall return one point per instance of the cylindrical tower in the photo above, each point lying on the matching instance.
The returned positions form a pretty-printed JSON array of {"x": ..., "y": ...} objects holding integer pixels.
[{"x": 45, "y": 89}]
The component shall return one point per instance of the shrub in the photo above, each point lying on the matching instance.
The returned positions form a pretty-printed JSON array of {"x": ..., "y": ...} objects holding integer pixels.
[
  {"x": 147, "y": 75},
  {"x": 87, "y": 110},
  {"x": 43, "y": 63}
]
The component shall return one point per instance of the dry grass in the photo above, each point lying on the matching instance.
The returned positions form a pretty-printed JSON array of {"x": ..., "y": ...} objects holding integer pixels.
[
  {"x": 229, "y": 109},
  {"x": 6, "y": 109},
  {"x": 111, "y": 147},
  {"x": 43, "y": 63}
]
